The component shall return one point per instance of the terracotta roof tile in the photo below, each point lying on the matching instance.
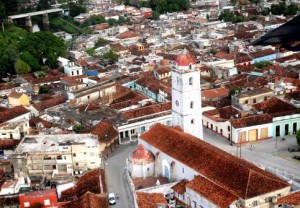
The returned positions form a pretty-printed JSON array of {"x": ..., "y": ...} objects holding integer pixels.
[
  {"x": 88, "y": 200},
  {"x": 215, "y": 93},
  {"x": 150, "y": 200},
  {"x": 251, "y": 121},
  {"x": 274, "y": 105},
  {"x": 292, "y": 199},
  {"x": 8, "y": 144},
  {"x": 214, "y": 193},
  {"x": 88, "y": 182},
  {"x": 180, "y": 187},
  {"x": 147, "y": 110},
  {"x": 232, "y": 173},
  {"x": 43, "y": 105},
  {"x": 105, "y": 131},
  {"x": 11, "y": 113}
]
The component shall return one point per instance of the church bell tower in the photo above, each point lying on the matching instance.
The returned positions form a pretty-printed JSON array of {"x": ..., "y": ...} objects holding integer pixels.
[{"x": 186, "y": 95}]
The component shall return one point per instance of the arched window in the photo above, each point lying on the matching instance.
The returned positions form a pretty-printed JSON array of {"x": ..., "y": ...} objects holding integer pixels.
[
  {"x": 191, "y": 81},
  {"x": 192, "y": 105}
]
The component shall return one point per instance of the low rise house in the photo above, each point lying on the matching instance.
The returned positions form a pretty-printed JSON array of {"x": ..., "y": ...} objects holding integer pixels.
[
  {"x": 15, "y": 186},
  {"x": 17, "y": 98},
  {"x": 215, "y": 94}
]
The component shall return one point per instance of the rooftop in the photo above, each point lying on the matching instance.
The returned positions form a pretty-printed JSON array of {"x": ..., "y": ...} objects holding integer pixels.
[
  {"x": 254, "y": 92},
  {"x": 150, "y": 200},
  {"x": 238, "y": 176},
  {"x": 50, "y": 143}
]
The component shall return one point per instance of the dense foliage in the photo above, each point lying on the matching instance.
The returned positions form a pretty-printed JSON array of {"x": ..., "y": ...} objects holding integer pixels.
[
  {"x": 111, "y": 55},
  {"x": 262, "y": 64},
  {"x": 282, "y": 9},
  {"x": 229, "y": 16},
  {"x": 34, "y": 49}
]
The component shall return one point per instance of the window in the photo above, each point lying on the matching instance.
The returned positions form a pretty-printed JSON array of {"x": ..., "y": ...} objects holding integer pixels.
[
  {"x": 255, "y": 203},
  {"x": 177, "y": 80},
  {"x": 254, "y": 100},
  {"x": 84, "y": 153},
  {"x": 192, "y": 105},
  {"x": 246, "y": 101},
  {"x": 74, "y": 154},
  {"x": 92, "y": 153},
  {"x": 265, "y": 98},
  {"x": 46, "y": 202},
  {"x": 148, "y": 169},
  {"x": 191, "y": 81},
  {"x": 228, "y": 128},
  {"x": 182, "y": 170},
  {"x": 92, "y": 163},
  {"x": 192, "y": 121},
  {"x": 132, "y": 131},
  {"x": 65, "y": 157},
  {"x": 190, "y": 66},
  {"x": 76, "y": 164}
]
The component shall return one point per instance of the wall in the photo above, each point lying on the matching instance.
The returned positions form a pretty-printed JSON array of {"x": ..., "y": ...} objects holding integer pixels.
[
  {"x": 218, "y": 126},
  {"x": 282, "y": 121},
  {"x": 23, "y": 100},
  {"x": 200, "y": 200},
  {"x": 236, "y": 132}
]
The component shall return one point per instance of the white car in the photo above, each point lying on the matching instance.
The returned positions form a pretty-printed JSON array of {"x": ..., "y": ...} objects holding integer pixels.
[{"x": 111, "y": 198}]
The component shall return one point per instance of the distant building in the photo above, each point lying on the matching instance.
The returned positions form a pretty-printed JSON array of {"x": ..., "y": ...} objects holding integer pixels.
[{"x": 17, "y": 98}]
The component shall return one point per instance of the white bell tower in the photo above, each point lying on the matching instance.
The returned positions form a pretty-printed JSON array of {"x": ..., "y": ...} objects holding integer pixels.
[{"x": 186, "y": 96}]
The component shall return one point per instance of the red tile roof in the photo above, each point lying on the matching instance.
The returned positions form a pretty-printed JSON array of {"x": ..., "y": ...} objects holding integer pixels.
[
  {"x": 150, "y": 200},
  {"x": 180, "y": 187},
  {"x": 215, "y": 93},
  {"x": 147, "y": 110},
  {"x": 292, "y": 199},
  {"x": 88, "y": 200},
  {"x": 12, "y": 113},
  {"x": 214, "y": 193},
  {"x": 274, "y": 105},
  {"x": 127, "y": 34},
  {"x": 251, "y": 121},
  {"x": 43, "y": 105},
  {"x": 234, "y": 174},
  {"x": 15, "y": 94},
  {"x": 35, "y": 121},
  {"x": 8, "y": 144},
  {"x": 105, "y": 131},
  {"x": 88, "y": 182}
]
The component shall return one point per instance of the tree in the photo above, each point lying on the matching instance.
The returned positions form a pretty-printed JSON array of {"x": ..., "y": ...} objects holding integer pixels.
[
  {"x": 101, "y": 42},
  {"x": 21, "y": 67},
  {"x": 76, "y": 9},
  {"x": 111, "y": 55},
  {"x": 43, "y": 90},
  {"x": 43, "y": 5},
  {"x": 78, "y": 128},
  {"x": 262, "y": 64},
  {"x": 43, "y": 46},
  {"x": 91, "y": 51},
  {"x": 298, "y": 137},
  {"x": 30, "y": 60}
]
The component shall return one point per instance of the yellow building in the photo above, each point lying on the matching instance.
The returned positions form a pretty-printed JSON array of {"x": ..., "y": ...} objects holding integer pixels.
[{"x": 16, "y": 99}]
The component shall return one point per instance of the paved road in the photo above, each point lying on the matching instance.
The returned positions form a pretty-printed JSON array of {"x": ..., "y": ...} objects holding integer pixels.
[
  {"x": 115, "y": 175},
  {"x": 261, "y": 154}
]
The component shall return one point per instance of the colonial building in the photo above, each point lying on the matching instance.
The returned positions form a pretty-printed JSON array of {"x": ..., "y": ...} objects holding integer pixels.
[{"x": 218, "y": 179}]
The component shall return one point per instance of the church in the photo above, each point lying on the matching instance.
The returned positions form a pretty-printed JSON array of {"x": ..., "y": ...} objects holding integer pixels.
[{"x": 206, "y": 176}]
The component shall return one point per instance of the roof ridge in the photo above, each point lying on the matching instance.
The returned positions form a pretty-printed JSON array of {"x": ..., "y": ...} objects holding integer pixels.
[{"x": 250, "y": 172}]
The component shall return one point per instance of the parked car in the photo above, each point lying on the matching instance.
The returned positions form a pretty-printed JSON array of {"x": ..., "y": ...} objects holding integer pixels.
[{"x": 111, "y": 198}]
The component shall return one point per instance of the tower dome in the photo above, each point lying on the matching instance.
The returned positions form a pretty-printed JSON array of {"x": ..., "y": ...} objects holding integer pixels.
[
  {"x": 141, "y": 155},
  {"x": 185, "y": 59}
]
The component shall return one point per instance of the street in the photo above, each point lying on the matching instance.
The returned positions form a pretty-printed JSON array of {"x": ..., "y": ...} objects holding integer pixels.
[
  {"x": 116, "y": 181},
  {"x": 261, "y": 154}
]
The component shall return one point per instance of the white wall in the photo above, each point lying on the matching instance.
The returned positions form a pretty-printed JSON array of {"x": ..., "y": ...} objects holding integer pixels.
[{"x": 235, "y": 132}]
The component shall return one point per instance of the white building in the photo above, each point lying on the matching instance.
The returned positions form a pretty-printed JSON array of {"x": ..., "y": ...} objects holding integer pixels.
[
  {"x": 186, "y": 96},
  {"x": 56, "y": 154},
  {"x": 72, "y": 70}
]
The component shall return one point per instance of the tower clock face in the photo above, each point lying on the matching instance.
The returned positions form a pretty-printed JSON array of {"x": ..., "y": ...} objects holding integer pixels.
[{"x": 177, "y": 103}]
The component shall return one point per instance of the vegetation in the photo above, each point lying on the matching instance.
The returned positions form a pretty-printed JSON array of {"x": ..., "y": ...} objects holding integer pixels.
[
  {"x": 282, "y": 9},
  {"x": 91, "y": 51},
  {"x": 234, "y": 90},
  {"x": 34, "y": 49},
  {"x": 111, "y": 55},
  {"x": 43, "y": 90},
  {"x": 298, "y": 137},
  {"x": 76, "y": 9},
  {"x": 229, "y": 16},
  {"x": 78, "y": 128},
  {"x": 21, "y": 67},
  {"x": 101, "y": 42},
  {"x": 262, "y": 64}
]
